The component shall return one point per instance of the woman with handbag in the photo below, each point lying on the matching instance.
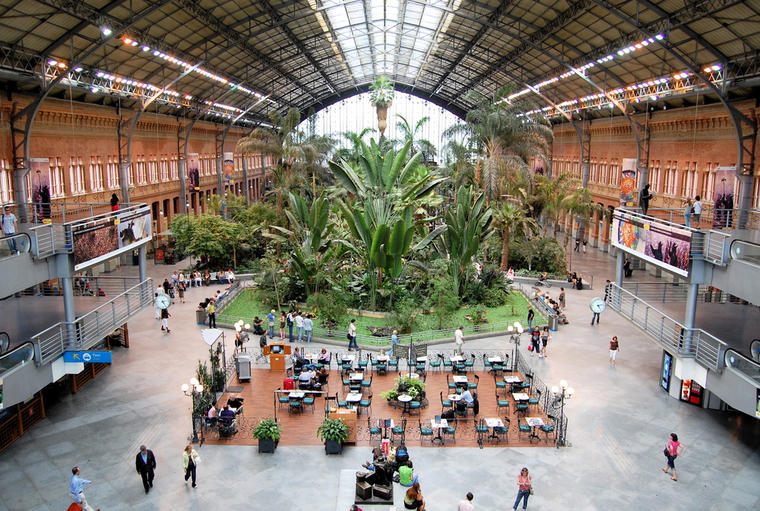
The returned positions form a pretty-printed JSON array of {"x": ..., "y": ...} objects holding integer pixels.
[
  {"x": 190, "y": 460},
  {"x": 672, "y": 451},
  {"x": 525, "y": 488}
]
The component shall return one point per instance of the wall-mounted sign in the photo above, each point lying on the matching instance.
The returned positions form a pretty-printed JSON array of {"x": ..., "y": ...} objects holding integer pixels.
[
  {"x": 87, "y": 357},
  {"x": 667, "y": 370},
  {"x": 628, "y": 182},
  {"x": 664, "y": 245},
  {"x": 105, "y": 238}
]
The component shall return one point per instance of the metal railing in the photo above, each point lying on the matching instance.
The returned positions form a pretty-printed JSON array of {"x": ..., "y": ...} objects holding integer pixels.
[
  {"x": 91, "y": 328},
  {"x": 713, "y": 218},
  {"x": 17, "y": 244},
  {"x": 742, "y": 364},
  {"x": 14, "y": 359},
  {"x": 63, "y": 212},
  {"x": 669, "y": 333}
]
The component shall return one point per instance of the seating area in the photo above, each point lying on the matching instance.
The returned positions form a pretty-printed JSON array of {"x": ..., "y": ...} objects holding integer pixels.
[{"x": 509, "y": 406}]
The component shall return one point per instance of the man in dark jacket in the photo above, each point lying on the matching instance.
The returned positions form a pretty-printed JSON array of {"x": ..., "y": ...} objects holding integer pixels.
[{"x": 145, "y": 463}]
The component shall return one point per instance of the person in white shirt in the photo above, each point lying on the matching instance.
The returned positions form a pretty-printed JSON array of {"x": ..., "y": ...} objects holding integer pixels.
[
  {"x": 9, "y": 220},
  {"x": 229, "y": 276},
  {"x": 697, "y": 211},
  {"x": 197, "y": 279},
  {"x": 308, "y": 326},
  {"x": 459, "y": 339},
  {"x": 466, "y": 505},
  {"x": 299, "y": 325},
  {"x": 352, "y": 336}
]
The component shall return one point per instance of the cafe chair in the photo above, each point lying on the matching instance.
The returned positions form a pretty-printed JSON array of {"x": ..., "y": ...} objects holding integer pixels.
[
  {"x": 282, "y": 398},
  {"x": 521, "y": 409},
  {"x": 446, "y": 361},
  {"x": 500, "y": 384},
  {"x": 451, "y": 429},
  {"x": 294, "y": 405},
  {"x": 392, "y": 362},
  {"x": 516, "y": 387},
  {"x": 374, "y": 430},
  {"x": 399, "y": 431},
  {"x": 367, "y": 383},
  {"x": 549, "y": 428},
  {"x": 373, "y": 362},
  {"x": 415, "y": 405},
  {"x": 435, "y": 363},
  {"x": 533, "y": 401},
  {"x": 227, "y": 427},
  {"x": 363, "y": 363},
  {"x": 445, "y": 403},
  {"x": 451, "y": 384},
  {"x": 461, "y": 409},
  {"x": 481, "y": 429},
  {"x": 528, "y": 381},
  {"x": 420, "y": 367},
  {"x": 503, "y": 432},
  {"x": 382, "y": 367},
  {"x": 474, "y": 385},
  {"x": 341, "y": 404},
  {"x": 470, "y": 363},
  {"x": 330, "y": 402},
  {"x": 501, "y": 403},
  {"x": 523, "y": 428},
  {"x": 309, "y": 401},
  {"x": 366, "y": 404},
  {"x": 486, "y": 364},
  {"x": 209, "y": 422},
  {"x": 425, "y": 432},
  {"x": 346, "y": 368}
]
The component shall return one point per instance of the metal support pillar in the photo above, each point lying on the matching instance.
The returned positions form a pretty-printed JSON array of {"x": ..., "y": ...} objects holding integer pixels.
[
  {"x": 584, "y": 139},
  {"x": 124, "y": 132},
  {"x": 69, "y": 310},
  {"x": 246, "y": 188},
  {"x": 142, "y": 262},
  {"x": 183, "y": 136},
  {"x": 691, "y": 314},
  {"x": 221, "y": 137}
]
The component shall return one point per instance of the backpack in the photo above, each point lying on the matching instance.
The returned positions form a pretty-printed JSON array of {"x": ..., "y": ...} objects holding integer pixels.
[{"x": 402, "y": 455}]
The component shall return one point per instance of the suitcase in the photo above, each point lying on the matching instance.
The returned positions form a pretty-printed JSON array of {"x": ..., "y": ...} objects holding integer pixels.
[
  {"x": 74, "y": 507},
  {"x": 287, "y": 384},
  {"x": 363, "y": 490},
  {"x": 383, "y": 492}
]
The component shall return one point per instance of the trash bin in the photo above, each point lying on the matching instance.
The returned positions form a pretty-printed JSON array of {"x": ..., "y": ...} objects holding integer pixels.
[
  {"x": 553, "y": 322},
  {"x": 244, "y": 366},
  {"x": 200, "y": 316}
]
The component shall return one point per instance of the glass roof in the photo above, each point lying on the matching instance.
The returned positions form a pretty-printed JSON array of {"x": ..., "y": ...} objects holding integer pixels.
[{"x": 385, "y": 37}]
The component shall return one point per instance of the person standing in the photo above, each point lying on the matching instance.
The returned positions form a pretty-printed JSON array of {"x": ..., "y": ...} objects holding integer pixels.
[
  {"x": 608, "y": 291},
  {"x": 165, "y": 320},
  {"x": 459, "y": 339},
  {"x": 644, "y": 198},
  {"x": 545, "y": 338},
  {"x": 270, "y": 323},
  {"x": 283, "y": 321},
  {"x": 524, "y": 484},
  {"x": 290, "y": 321},
  {"x": 466, "y": 505},
  {"x": 535, "y": 341},
  {"x": 308, "y": 326},
  {"x": 614, "y": 347},
  {"x": 181, "y": 290},
  {"x": 687, "y": 211},
  {"x": 299, "y": 325},
  {"x": 145, "y": 464},
  {"x": 674, "y": 449},
  {"x": 9, "y": 221},
  {"x": 531, "y": 315},
  {"x": 352, "y": 336},
  {"x": 211, "y": 310},
  {"x": 697, "y": 211},
  {"x": 76, "y": 488},
  {"x": 561, "y": 298},
  {"x": 156, "y": 308},
  {"x": 114, "y": 202},
  {"x": 190, "y": 461}
]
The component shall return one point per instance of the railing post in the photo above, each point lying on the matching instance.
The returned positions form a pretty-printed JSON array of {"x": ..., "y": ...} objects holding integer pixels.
[
  {"x": 97, "y": 321},
  {"x": 113, "y": 312}
]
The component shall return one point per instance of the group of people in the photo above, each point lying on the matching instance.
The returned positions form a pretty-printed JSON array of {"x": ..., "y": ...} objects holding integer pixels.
[
  {"x": 198, "y": 279},
  {"x": 302, "y": 321},
  {"x": 692, "y": 208},
  {"x": 556, "y": 306}
]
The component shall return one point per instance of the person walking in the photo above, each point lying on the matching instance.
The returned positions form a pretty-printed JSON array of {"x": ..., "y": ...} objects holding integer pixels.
[
  {"x": 466, "y": 505},
  {"x": 270, "y": 323},
  {"x": 545, "y": 338},
  {"x": 394, "y": 339},
  {"x": 614, "y": 347},
  {"x": 8, "y": 221},
  {"x": 608, "y": 291},
  {"x": 308, "y": 326},
  {"x": 165, "y": 320},
  {"x": 352, "y": 336},
  {"x": 524, "y": 485},
  {"x": 114, "y": 202},
  {"x": 190, "y": 461},
  {"x": 531, "y": 315},
  {"x": 459, "y": 339},
  {"x": 672, "y": 451},
  {"x": 211, "y": 310},
  {"x": 697, "y": 207},
  {"x": 535, "y": 340},
  {"x": 145, "y": 464},
  {"x": 299, "y": 325},
  {"x": 561, "y": 298},
  {"x": 156, "y": 308},
  {"x": 76, "y": 488}
]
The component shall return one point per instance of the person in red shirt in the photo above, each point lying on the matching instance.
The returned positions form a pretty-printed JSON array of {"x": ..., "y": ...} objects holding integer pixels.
[{"x": 524, "y": 483}]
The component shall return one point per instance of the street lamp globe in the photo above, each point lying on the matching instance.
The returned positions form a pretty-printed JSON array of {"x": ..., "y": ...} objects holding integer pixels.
[
  {"x": 199, "y": 388},
  {"x": 563, "y": 384},
  {"x": 193, "y": 381},
  {"x": 570, "y": 391},
  {"x": 555, "y": 389},
  {"x": 185, "y": 388}
]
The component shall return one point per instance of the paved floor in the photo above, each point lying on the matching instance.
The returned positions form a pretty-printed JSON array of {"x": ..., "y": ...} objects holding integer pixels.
[{"x": 619, "y": 421}]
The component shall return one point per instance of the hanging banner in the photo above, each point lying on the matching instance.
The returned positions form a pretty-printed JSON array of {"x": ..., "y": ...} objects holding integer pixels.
[
  {"x": 105, "y": 238},
  {"x": 193, "y": 172},
  {"x": 725, "y": 190},
  {"x": 228, "y": 166},
  {"x": 628, "y": 182},
  {"x": 40, "y": 175},
  {"x": 664, "y": 245}
]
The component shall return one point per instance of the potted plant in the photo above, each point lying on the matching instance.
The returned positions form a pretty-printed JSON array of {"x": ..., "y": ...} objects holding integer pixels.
[
  {"x": 381, "y": 97},
  {"x": 333, "y": 432},
  {"x": 267, "y": 432}
]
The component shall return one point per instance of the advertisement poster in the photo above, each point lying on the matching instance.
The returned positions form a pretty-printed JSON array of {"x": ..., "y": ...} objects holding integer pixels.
[
  {"x": 40, "y": 175},
  {"x": 661, "y": 244},
  {"x": 193, "y": 172},
  {"x": 667, "y": 369},
  {"x": 691, "y": 392},
  {"x": 757, "y": 406},
  {"x": 725, "y": 189},
  {"x": 105, "y": 238},
  {"x": 228, "y": 166},
  {"x": 628, "y": 182}
]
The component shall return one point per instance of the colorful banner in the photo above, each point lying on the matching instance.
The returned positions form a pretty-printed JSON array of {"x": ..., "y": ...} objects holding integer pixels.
[
  {"x": 193, "y": 172},
  {"x": 725, "y": 189},
  {"x": 105, "y": 238},
  {"x": 665, "y": 245},
  {"x": 40, "y": 175},
  {"x": 228, "y": 166},
  {"x": 628, "y": 182}
]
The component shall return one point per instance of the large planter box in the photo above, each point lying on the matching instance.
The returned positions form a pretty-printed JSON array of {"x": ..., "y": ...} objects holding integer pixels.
[
  {"x": 267, "y": 445},
  {"x": 332, "y": 447}
]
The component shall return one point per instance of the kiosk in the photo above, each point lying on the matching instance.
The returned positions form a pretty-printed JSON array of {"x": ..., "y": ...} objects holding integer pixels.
[{"x": 277, "y": 352}]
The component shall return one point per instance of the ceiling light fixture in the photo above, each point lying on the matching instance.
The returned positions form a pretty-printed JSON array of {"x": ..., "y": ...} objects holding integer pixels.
[{"x": 106, "y": 31}]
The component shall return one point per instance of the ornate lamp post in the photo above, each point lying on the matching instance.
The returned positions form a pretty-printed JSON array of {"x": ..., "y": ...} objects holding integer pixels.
[
  {"x": 561, "y": 394},
  {"x": 194, "y": 390},
  {"x": 514, "y": 338}
]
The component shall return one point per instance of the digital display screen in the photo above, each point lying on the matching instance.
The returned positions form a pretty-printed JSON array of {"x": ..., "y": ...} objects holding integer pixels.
[{"x": 275, "y": 349}]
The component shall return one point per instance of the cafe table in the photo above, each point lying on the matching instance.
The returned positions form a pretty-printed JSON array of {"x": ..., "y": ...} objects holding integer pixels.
[
  {"x": 383, "y": 358},
  {"x": 520, "y": 396},
  {"x": 353, "y": 397},
  {"x": 494, "y": 423},
  {"x": 356, "y": 376},
  {"x": 511, "y": 378},
  {"x": 404, "y": 399},
  {"x": 495, "y": 360},
  {"x": 438, "y": 426},
  {"x": 534, "y": 422}
]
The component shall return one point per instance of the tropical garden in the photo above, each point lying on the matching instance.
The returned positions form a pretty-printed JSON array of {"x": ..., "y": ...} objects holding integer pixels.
[{"x": 368, "y": 222}]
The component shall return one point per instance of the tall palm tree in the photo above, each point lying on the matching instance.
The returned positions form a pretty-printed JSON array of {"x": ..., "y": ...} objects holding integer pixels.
[
  {"x": 511, "y": 218},
  {"x": 506, "y": 138},
  {"x": 356, "y": 143},
  {"x": 411, "y": 133}
]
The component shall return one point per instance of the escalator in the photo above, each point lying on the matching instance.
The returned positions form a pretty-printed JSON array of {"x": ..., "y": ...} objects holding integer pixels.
[{"x": 19, "y": 269}]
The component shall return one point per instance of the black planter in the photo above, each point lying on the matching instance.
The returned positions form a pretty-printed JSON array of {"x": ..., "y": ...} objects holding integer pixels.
[
  {"x": 267, "y": 445},
  {"x": 332, "y": 447}
]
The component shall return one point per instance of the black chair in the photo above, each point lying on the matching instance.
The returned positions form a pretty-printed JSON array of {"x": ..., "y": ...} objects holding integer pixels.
[
  {"x": 500, "y": 383},
  {"x": 330, "y": 402},
  {"x": 451, "y": 429},
  {"x": 474, "y": 386},
  {"x": 481, "y": 430},
  {"x": 381, "y": 368},
  {"x": 502, "y": 432},
  {"x": 523, "y": 428},
  {"x": 446, "y": 361},
  {"x": 451, "y": 384},
  {"x": 227, "y": 427},
  {"x": 501, "y": 403},
  {"x": 366, "y": 404},
  {"x": 425, "y": 432},
  {"x": 399, "y": 431},
  {"x": 470, "y": 363},
  {"x": 282, "y": 398},
  {"x": 367, "y": 383},
  {"x": 374, "y": 430},
  {"x": 486, "y": 364},
  {"x": 549, "y": 428},
  {"x": 445, "y": 403}
]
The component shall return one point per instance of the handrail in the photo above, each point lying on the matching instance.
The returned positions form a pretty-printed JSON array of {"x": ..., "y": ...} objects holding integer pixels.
[
  {"x": 669, "y": 333},
  {"x": 63, "y": 212},
  {"x": 743, "y": 365},
  {"x": 15, "y": 245},
  {"x": 15, "y": 359},
  {"x": 727, "y": 218},
  {"x": 91, "y": 328}
]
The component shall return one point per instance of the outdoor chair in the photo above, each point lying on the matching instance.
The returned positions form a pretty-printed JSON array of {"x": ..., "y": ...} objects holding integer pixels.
[{"x": 425, "y": 432}]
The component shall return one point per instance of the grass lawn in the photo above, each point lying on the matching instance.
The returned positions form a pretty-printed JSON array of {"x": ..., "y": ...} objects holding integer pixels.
[{"x": 246, "y": 306}]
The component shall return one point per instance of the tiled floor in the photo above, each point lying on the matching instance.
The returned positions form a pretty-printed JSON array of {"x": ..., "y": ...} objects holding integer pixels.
[{"x": 619, "y": 421}]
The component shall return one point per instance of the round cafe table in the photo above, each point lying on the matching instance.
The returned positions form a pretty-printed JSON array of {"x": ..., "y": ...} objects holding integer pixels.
[{"x": 405, "y": 399}]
